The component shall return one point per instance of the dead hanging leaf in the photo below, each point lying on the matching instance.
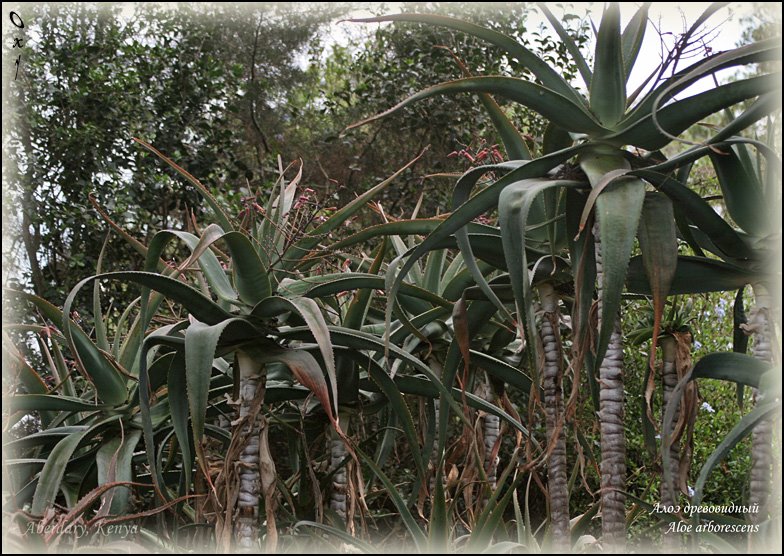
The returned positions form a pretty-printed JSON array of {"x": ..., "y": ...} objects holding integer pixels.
[
  {"x": 472, "y": 440},
  {"x": 650, "y": 388},
  {"x": 582, "y": 463},
  {"x": 657, "y": 235},
  {"x": 308, "y": 372},
  {"x": 506, "y": 404},
  {"x": 688, "y": 408},
  {"x": 684, "y": 464},
  {"x": 460, "y": 321},
  {"x": 580, "y": 347},
  {"x": 357, "y": 505},
  {"x": 140, "y": 515},
  {"x": 452, "y": 477},
  {"x": 268, "y": 477},
  {"x": 561, "y": 414},
  {"x": 683, "y": 363},
  {"x": 427, "y": 486},
  {"x": 84, "y": 504}
]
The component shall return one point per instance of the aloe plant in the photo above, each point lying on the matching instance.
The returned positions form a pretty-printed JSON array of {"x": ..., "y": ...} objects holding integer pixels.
[
  {"x": 743, "y": 260},
  {"x": 248, "y": 320},
  {"x": 601, "y": 129},
  {"x": 89, "y": 405},
  {"x": 88, "y": 425}
]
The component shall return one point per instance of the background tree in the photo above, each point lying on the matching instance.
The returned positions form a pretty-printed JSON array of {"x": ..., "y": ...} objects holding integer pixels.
[{"x": 200, "y": 83}]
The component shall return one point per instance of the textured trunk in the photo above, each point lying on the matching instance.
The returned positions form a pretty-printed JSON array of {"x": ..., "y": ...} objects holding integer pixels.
[
  {"x": 436, "y": 454},
  {"x": 669, "y": 490},
  {"x": 491, "y": 431},
  {"x": 338, "y": 499},
  {"x": 762, "y": 435},
  {"x": 613, "y": 440},
  {"x": 252, "y": 384},
  {"x": 552, "y": 381}
]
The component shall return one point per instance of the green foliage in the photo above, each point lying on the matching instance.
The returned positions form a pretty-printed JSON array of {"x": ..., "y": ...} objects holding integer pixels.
[{"x": 184, "y": 78}]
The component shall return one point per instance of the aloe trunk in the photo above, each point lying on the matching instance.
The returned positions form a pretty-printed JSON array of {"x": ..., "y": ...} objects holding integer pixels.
[
  {"x": 613, "y": 440},
  {"x": 253, "y": 379},
  {"x": 491, "y": 431},
  {"x": 762, "y": 435},
  {"x": 435, "y": 454},
  {"x": 670, "y": 460},
  {"x": 338, "y": 499},
  {"x": 552, "y": 380}
]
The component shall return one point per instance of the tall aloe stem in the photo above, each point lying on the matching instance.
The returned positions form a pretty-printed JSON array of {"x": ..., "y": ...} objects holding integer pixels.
[
  {"x": 252, "y": 385},
  {"x": 669, "y": 490},
  {"x": 762, "y": 435},
  {"x": 338, "y": 499},
  {"x": 552, "y": 379},
  {"x": 491, "y": 431},
  {"x": 613, "y": 440}
]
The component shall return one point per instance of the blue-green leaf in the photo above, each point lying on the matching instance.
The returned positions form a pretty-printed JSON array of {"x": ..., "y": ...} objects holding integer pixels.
[
  {"x": 632, "y": 38},
  {"x": 250, "y": 277},
  {"x": 117, "y": 452},
  {"x": 201, "y": 342},
  {"x": 743, "y": 192},
  {"x": 514, "y": 204},
  {"x": 608, "y": 85},
  {"x": 178, "y": 402},
  {"x": 655, "y": 130},
  {"x": 659, "y": 248},
  {"x": 571, "y": 45},
  {"x": 618, "y": 210},
  {"x": 565, "y": 112},
  {"x": 53, "y": 472},
  {"x": 692, "y": 275}
]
